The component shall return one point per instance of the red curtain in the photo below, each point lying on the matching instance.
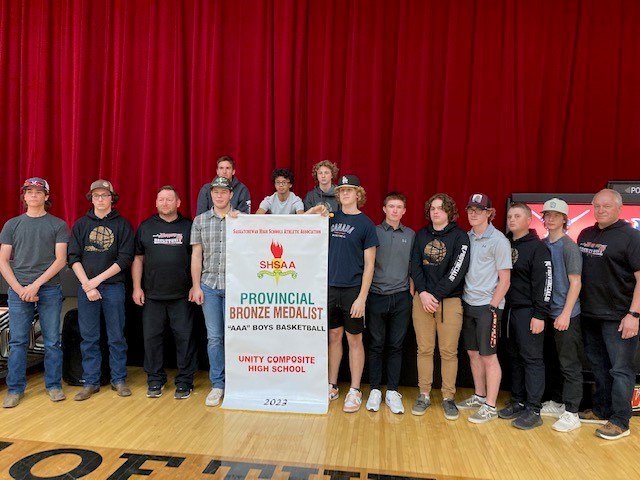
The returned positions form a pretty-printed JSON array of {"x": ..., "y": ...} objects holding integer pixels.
[{"x": 412, "y": 95}]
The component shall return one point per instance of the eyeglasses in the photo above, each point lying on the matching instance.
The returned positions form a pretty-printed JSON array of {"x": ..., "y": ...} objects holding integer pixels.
[
  {"x": 286, "y": 182},
  {"x": 104, "y": 196},
  {"x": 475, "y": 211}
]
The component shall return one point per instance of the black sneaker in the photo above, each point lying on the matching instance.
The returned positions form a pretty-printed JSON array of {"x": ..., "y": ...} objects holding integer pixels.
[
  {"x": 154, "y": 391},
  {"x": 182, "y": 393},
  {"x": 527, "y": 420},
  {"x": 450, "y": 409},
  {"x": 511, "y": 411}
]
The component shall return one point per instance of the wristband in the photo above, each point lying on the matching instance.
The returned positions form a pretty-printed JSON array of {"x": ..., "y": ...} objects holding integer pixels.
[{"x": 634, "y": 314}]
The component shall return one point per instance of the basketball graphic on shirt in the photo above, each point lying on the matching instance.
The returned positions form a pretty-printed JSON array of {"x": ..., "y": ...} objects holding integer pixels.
[
  {"x": 514, "y": 256},
  {"x": 100, "y": 239},
  {"x": 434, "y": 252}
]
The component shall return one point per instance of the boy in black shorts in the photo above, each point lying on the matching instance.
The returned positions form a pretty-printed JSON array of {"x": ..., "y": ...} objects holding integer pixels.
[{"x": 352, "y": 253}]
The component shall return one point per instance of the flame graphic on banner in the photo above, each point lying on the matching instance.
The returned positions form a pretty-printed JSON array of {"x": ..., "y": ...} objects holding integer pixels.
[{"x": 277, "y": 250}]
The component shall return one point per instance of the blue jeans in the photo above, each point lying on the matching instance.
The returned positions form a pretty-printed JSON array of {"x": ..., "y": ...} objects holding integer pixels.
[
  {"x": 611, "y": 360},
  {"x": 112, "y": 305},
  {"x": 213, "y": 309},
  {"x": 20, "y": 319}
]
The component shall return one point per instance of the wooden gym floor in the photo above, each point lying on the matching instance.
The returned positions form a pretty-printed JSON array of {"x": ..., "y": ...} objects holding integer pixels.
[{"x": 190, "y": 440}]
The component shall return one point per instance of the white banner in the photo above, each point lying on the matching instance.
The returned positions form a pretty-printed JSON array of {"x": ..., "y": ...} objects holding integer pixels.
[{"x": 276, "y": 313}]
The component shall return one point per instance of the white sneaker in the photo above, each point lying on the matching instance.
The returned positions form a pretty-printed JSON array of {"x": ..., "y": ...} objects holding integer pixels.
[
  {"x": 214, "y": 397},
  {"x": 552, "y": 409},
  {"x": 352, "y": 401},
  {"x": 567, "y": 423},
  {"x": 375, "y": 398},
  {"x": 394, "y": 401}
]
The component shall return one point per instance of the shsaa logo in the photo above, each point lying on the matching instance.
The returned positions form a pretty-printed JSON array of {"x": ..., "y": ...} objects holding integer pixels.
[{"x": 277, "y": 267}]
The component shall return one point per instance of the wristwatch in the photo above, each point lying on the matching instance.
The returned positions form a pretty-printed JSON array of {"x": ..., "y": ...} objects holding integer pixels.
[{"x": 634, "y": 314}]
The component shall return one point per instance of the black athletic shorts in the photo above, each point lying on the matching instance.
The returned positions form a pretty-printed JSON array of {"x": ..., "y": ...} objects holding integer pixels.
[
  {"x": 339, "y": 305},
  {"x": 479, "y": 331}
]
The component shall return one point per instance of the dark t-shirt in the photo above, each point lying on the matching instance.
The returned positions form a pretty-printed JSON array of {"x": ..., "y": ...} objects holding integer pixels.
[
  {"x": 167, "y": 257},
  {"x": 349, "y": 237},
  {"x": 33, "y": 245}
]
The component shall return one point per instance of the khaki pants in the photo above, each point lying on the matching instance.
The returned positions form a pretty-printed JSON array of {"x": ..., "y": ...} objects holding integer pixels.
[{"x": 427, "y": 326}]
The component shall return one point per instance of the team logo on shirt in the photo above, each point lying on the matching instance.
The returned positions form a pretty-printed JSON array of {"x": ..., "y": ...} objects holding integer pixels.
[
  {"x": 341, "y": 230},
  {"x": 514, "y": 255},
  {"x": 434, "y": 252},
  {"x": 277, "y": 267},
  {"x": 593, "y": 249},
  {"x": 168, "y": 239},
  {"x": 100, "y": 239}
]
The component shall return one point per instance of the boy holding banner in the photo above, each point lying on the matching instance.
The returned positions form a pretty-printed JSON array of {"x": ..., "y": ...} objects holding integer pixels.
[
  {"x": 208, "y": 268},
  {"x": 352, "y": 254}
]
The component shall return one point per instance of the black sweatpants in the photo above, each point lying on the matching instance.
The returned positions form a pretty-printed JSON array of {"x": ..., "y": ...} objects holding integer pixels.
[
  {"x": 527, "y": 364},
  {"x": 179, "y": 315}
]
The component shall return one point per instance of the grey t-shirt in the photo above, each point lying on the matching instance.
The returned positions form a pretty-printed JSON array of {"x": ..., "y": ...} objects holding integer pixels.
[
  {"x": 291, "y": 205},
  {"x": 566, "y": 260},
  {"x": 33, "y": 245},
  {"x": 490, "y": 252}
]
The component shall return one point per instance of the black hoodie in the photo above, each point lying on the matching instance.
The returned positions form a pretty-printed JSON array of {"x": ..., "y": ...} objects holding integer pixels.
[
  {"x": 610, "y": 256},
  {"x": 531, "y": 276},
  {"x": 167, "y": 257},
  {"x": 440, "y": 260},
  {"x": 98, "y": 243}
]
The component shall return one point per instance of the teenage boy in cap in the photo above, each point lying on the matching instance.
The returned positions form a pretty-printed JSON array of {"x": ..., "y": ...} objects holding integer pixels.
[
  {"x": 323, "y": 174},
  {"x": 528, "y": 307},
  {"x": 37, "y": 241},
  {"x": 208, "y": 267},
  {"x": 610, "y": 303},
  {"x": 101, "y": 248},
  {"x": 388, "y": 309},
  {"x": 565, "y": 312},
  {"x": 352, "y": 255},
  {"x": 226, "y": 167},
  {"x": 485, "y": 286},
  {"x": 283, "y": 201},
  {"x": 161, "y": 273},
  {"x": 440, "y": 261}
]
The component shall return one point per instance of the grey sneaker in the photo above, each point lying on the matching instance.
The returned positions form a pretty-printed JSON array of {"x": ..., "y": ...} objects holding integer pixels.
[
  {"x": 511, "y": 411},
  {"x": 422, "y": 403},
  {"x": 474, "y": 401},
  {"x": 56, "y": 395},
  {"x": 450, "y": 409},
  {"x": 527, "y": 420},
  {"x": 484, "y": 415}
]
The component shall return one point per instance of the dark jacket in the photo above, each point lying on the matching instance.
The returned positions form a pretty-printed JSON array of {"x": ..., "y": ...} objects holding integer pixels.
[
  {"x": 440, "y": 260},
  {"x": 241, "y": 199},
  {"x": 167, "y": 257},
  {"x": 98, "y": 243},
  {"x": 317, "y": 196},
  {"x": 610, "y": 256},
  {"x": 531, "y": 276}
]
